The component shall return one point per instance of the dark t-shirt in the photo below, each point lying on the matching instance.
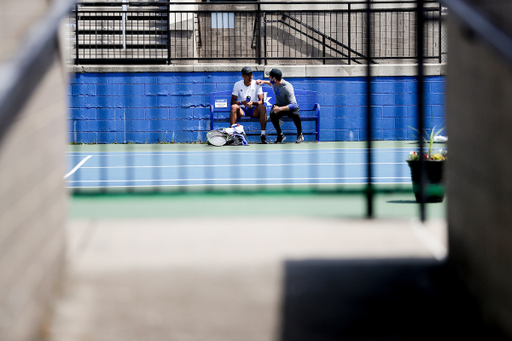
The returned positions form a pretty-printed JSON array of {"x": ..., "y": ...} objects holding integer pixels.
[{"x": 284, "y": 93}]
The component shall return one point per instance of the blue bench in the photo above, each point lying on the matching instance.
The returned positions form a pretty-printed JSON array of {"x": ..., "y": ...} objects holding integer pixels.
[{"x": 220, "y": 107}]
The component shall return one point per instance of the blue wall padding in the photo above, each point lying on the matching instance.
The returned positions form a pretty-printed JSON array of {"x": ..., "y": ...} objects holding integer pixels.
[{"x": 174, "y": 107}]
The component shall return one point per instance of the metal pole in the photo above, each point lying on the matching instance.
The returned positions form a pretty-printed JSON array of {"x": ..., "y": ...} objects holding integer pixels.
[
  {"x": 77, "y": 52},
  {"x": 369, "y": 188},
  {"x": 125, "y": 8},
  {"x": 258, "y": 44},
  {"x": 265, "y": 37},
  {"x": 420, "y": 28},
  {"x": 440, "y": 33},
  {"x": 323, "y": 42},
  {"x": 349, "y": 35},
  {"x": 168, "y": 28}
]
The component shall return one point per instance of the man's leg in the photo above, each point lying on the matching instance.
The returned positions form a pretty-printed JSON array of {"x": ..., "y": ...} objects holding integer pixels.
[
  {"x": 235, "y": 113},
  {"x": 298, "y": 124},
  {"x": 294, "y": 115},
  {"x": 275, "y": 121},
  {"x": 261, "y": 112}
]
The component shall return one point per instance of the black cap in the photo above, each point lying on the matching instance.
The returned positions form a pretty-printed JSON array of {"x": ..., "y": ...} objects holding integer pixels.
[
  {"x": 246, "y": 70},
  {"x": 276, "y": 73}
]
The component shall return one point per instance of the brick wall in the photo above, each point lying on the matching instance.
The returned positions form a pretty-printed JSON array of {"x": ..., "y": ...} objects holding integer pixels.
[{"x": 174, "y": 106}]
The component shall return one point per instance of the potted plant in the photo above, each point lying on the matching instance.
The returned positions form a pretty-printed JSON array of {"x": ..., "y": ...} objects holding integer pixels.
[{"x": 434, "y": 170}]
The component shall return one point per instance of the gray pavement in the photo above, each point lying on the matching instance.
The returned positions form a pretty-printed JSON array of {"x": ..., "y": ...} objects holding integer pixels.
[{"x": 225, "y": 279}]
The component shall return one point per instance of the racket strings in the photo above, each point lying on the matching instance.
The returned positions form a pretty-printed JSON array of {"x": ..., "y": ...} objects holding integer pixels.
[{"x": 217, "y": 138}]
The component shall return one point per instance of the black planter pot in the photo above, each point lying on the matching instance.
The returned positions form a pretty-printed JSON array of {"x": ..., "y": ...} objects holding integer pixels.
[{"x": 434, "y": 186}]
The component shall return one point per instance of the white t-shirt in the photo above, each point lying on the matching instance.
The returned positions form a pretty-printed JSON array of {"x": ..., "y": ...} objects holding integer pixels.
[{"x": 241, "y": 91}]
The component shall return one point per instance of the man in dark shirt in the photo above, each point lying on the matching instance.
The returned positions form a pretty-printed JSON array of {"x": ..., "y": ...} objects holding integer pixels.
[{"x": 286, "y": 104}]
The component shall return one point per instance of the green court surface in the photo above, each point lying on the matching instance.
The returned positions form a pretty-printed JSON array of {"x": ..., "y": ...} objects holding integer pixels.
[
  {"x": 110, "y": 206},
  {"x": 412, "y": 145}
]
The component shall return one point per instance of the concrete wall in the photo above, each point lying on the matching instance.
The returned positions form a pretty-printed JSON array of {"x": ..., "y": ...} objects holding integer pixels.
[
  {"x": 151, "y": 107},
  {"x": 32, "y": 193},
  {"x": 479, "y": 122}
]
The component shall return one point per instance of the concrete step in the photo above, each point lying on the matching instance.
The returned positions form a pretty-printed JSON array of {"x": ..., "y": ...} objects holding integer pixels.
[{"x": 261, "y": 278}]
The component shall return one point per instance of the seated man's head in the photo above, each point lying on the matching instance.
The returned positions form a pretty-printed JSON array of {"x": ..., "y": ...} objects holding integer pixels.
[
  {"x": 275, "y": 75},
  {"x": 247, "y": 74}
]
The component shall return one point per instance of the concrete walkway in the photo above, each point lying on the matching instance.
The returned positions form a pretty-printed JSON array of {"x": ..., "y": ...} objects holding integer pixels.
[{"x": 221, "y": 279}]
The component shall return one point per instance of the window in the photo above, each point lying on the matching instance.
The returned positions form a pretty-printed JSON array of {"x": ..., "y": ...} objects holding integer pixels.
[{"x": 223, "y": 20}]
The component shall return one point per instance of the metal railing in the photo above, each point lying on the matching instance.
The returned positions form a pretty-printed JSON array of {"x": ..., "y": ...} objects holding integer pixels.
[
  {"x": 22, "y": 73},
  {"x": 261, "y": 32}
]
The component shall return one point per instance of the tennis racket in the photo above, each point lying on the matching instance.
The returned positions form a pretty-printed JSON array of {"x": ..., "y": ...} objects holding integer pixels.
[{"x": 217, "y": 138}]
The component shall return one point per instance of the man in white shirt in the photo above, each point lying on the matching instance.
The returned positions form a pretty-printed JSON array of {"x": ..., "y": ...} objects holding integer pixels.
[{"x": 247, "y": 100}]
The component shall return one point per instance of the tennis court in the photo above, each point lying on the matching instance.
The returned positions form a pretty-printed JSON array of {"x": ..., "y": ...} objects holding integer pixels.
[
  {"x": 315, "y": 179},
  {"x": 328, "y": 164}
]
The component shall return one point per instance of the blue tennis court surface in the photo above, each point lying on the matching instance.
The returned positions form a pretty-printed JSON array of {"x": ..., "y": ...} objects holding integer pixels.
[{"x": 201, "y": 165}]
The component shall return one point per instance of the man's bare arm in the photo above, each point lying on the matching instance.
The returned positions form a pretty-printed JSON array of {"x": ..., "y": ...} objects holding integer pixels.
[
  {"x": 234, "y": 100},
  {"x": 261, "y": 81},
  {"x": 260, "y": 100}
]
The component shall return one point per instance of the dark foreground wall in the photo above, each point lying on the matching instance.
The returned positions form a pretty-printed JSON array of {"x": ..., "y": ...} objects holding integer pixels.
[
  {"x": 33, "y": 197},
  {"x": 174, "y": 106},
  {"x": 479, "y": 101}
]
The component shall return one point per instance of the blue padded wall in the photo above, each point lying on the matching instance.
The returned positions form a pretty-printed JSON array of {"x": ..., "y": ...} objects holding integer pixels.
[{"x": 174, "y": 107}]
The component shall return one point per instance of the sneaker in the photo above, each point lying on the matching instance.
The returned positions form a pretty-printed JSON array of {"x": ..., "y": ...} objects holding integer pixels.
[
  {"x": 280, "y": 138},
  {"x": 263, "y": 139},
  {"x": 300, "y": 138}
]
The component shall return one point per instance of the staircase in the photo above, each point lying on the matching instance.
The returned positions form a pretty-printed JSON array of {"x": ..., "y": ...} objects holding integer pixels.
[{"x": 113, "y": 33}]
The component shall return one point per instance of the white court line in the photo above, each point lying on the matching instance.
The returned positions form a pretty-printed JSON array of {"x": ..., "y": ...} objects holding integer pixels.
[
  {"x": 251, "y": 152},
  {"x": 77, "y": 166},
  {"x": 258, "y": 184},
  {"x": 433, "y": 245},
  {"x": 241, "y": 179},
  {"x": 255, "y": 165}
]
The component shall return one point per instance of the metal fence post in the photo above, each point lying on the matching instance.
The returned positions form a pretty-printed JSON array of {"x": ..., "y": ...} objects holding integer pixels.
[
  {"x": 258, "y": 45},
  {"x": 323, "y": 44},
  {"x": 168, "y": 28},
  {"x": 369, "y": 188},
  {"x": 265, "y": 37},
  {"x": 124, "y": 8},
  {"x": 77, "y": 42},
  {"x": 440, "y": 32},
  {"x": 420, "y": 28},
  {"x": 349, "y": 35}
]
